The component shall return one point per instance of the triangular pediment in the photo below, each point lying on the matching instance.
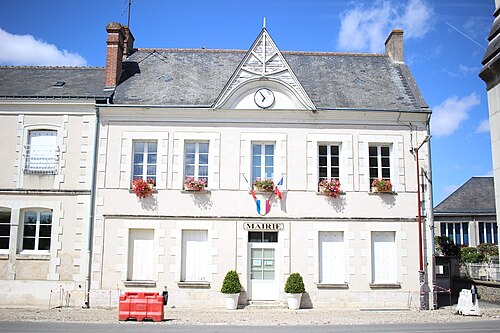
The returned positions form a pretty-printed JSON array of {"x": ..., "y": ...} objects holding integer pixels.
[{"x": 265, "y": 63}]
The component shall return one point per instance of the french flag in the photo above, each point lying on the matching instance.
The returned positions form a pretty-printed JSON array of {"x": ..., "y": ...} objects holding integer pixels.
[
  {"x": 263, "y": 208},
  {"x": 277, "y": 189}
]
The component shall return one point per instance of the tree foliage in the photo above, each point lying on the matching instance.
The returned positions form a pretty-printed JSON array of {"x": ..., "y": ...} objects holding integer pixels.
[
  {"x": 231, "y": 283},
  {"x": 295, "y": 284},
  {"x": 446, "y": 247}
]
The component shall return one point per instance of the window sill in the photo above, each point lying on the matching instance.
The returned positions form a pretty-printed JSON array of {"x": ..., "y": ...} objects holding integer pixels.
[
  {"x": 206, "y": 191},
  {"x": 385, "y": 285},
  {"x": 132, "y": 191},
  {"x": 4, "y": 256},
  {"x": 344, "y": 285},
  {"x": 323, "y": 194},
  {"x": 194, "y": 284},
  {"x": 143, "y": 284},
  {"x": 32, "y": 256},
  {"x": 382, "y": 193}
]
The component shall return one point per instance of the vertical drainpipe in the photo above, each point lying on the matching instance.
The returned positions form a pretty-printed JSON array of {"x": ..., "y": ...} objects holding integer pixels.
[
  {"x": 430, "y": 220},
  {"x": 88, "y": 278}
]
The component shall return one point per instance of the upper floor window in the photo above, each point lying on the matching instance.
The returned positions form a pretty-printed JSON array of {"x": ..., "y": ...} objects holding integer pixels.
[
  {"x": 196, "y": 160},
  {"x": 4, "y": 229},
  {"x": 329, "y": 162},
  {"x": 458, "y": 232},
  {"x": 37, "y": 229},
  {"x": 380, "y": 162},
  {"x": 145, "y": 160},
  {"x": 41, "y": 153},
  {"x": 488, "y": 232},
  {"x": 262, "y": 161}
]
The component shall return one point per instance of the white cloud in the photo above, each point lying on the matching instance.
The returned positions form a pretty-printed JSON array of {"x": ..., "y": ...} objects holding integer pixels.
[
  {"x": 483, "y": 127},
  {"x": 366, "y": 28},
  {"x": 448, "y": 115},
  {"x": 25, "y": 50},
  {"x": 463, "y": 71}
]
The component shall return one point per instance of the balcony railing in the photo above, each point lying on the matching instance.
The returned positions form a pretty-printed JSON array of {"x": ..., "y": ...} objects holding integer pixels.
[{"x": 41, "y": 159}]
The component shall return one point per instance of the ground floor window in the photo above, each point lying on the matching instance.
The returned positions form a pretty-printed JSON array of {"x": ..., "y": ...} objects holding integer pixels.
[
  {"x": 458, "y": 232},
  {"x": 384, "y": 257},
  {"x": 4, "y": 228},
  {"x": 331, "y": 257},
  {"x": 194, "y": 255},
  {"x": 141, "y": 255},
  {"x": 488, "y": 232},
  {"x": 37, "y": 229}
]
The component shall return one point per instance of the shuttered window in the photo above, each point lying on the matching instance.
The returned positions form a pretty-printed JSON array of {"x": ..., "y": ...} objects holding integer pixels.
[
  {"x": 140, "y": 255},
  {"x": 384, "y": 257},
  {"x": 194, "y": 255},
  {"x": 41, "y": 153},
  {"x": 331, "y": 264}
]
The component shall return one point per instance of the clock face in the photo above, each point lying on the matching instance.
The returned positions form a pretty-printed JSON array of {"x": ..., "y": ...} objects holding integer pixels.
[{"x": 264, "y": 98}]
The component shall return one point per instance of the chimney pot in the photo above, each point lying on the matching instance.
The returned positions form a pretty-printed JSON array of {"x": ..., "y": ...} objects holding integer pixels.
[{"x": 394, "y": 46}]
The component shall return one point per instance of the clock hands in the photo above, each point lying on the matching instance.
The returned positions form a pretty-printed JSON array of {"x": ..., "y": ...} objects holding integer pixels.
[{"x": 263, "y": 97}]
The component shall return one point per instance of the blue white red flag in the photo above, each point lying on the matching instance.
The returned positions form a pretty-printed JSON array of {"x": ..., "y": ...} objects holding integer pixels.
[
  {"x": 277, "y": 189},
  {"x": 263, "y": 208}
]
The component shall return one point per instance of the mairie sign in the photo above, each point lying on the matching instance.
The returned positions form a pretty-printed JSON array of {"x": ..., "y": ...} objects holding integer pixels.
[{"x": 263, "y": 226}]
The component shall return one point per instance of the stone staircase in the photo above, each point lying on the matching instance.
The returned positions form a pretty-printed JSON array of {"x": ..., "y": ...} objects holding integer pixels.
[{"x": 266, "y": 305}]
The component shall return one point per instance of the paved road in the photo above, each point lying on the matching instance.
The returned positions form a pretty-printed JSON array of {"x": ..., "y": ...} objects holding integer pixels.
[{"x": 133, "y": 327}]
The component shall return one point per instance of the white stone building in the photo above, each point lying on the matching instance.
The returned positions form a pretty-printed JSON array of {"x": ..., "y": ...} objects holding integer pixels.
[
  {"x": 47, "y": 132},
  {"x": 233, "y": 116}
]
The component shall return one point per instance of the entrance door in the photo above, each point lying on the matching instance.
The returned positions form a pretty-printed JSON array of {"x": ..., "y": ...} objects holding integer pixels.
[
  {"x": 262, "y": 265},
  {"x": 140, "y": 255}
]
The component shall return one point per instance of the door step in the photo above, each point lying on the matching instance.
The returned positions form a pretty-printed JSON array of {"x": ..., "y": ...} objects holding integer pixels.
[{"x": 266, "y": 305}]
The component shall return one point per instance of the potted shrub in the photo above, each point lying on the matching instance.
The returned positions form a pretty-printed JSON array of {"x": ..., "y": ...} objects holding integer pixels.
[
  {"x": 231, "y": 288},
  {"x": 196, "y": 185},
  {"x": 263, "y": 185},
  {"x": 294, "y": 287},
  {"x": 330, "y": 187},
  {"x": 381, "y": 185},
  {"x": 143, "y": 188}
]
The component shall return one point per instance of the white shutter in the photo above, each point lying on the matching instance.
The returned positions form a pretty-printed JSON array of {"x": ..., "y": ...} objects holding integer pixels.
[
  {"x": 194, "y": 255},
  {"x": 141, "y": 255},
  {"x": 331, "y": 247},
  {"x": 42, "y": 150},
  {"x": 384, "y": 257}
]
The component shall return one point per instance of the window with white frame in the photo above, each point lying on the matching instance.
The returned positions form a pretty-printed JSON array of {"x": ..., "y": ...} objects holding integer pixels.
[
  {"x": 196, "y": 160},
  {"x": 380, "y": 161},
  {"x": 262, "y": 161},
  {"x": 144, "y": 165},
  {"x": 41, "y": 154},
  {"x": 140, "y": 255},
  {"x": 458, "y": 232},
  {"x": 37, "y": 230},
  {"x": 331, "y": 257},
  {"x": 194, "y": 255},
  {"x": 488, "y": 232},
  {"x": 384, "y": 257},
  {"x": 328, "y": 161},
  {"x": 4, "y": 228}
]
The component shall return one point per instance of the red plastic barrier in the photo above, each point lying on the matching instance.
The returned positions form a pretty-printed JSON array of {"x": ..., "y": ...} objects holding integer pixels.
[{"x": 140, "y": 306}]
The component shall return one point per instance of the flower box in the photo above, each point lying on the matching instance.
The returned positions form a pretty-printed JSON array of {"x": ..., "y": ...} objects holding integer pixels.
[
  {"x": 381, "y": 186},
  {"x": 143, "y": 188},
  {"x": 263, "y": 185},
  {"x": 330, "y": 187},
  {"x": 195, "y": 185}
]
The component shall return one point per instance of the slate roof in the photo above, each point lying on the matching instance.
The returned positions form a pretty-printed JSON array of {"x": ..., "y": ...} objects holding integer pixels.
[
  {"x": 38, "y": 82},
  {"x": 195, "y": 77},
  {"x": 476, "y": 196}
]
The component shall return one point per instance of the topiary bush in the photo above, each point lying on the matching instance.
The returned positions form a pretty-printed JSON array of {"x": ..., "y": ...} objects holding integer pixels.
[
  {"x": 471, "y": 255},
  {"x": 295, "y": 284},
  {"x": 231, "y": 283}
]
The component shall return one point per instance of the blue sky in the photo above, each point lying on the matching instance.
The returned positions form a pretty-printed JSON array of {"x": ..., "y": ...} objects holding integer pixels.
[{"x": 444, "y": 43}]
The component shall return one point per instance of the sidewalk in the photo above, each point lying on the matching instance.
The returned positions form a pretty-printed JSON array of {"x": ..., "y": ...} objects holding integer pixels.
[{"x": 252, "y": 316}]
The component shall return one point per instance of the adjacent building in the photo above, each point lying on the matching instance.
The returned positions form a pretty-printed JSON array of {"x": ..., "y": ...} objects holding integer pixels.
[
  {"x": 229, "y": 118},
  {"x": 468, "y": 215}
]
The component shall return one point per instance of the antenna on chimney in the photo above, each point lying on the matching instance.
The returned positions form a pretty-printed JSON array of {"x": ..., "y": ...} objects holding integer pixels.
[{"x": 129, "y": 6}]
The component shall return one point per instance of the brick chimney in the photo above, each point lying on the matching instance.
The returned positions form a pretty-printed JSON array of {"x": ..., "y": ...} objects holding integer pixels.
[
  {"x": 128, "y": 42},
  {"x": 394, "y": 46},
  {"x": 114, "y": 54}
]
